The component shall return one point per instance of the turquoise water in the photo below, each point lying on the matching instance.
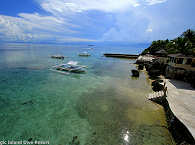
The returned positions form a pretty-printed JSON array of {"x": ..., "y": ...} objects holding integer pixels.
[{"x": 104, "y": 106}]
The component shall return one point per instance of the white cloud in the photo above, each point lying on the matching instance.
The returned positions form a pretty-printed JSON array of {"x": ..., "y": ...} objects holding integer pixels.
[
  {"x": 11, "y": 28},
  {"x": 58, "y": 7},
  {"x": 34, "y": 27},
  {"x": 149, "y": 30},
  {"x": 73, "y": 39},
  {"x": 68, "y": 6},
  {"x": 89, "y": 20},
  {"x": 153, "y": 2},
  {"x": 48, "y": 23}
]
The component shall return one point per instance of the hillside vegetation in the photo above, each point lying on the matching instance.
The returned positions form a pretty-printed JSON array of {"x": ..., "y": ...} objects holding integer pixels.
[{"x": 184, "y": 44}]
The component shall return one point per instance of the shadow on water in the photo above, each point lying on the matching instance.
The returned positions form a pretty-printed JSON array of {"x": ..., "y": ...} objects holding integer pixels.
[
  {"x": 3, "y": 102},
  {"x": 101, "y": 68}
]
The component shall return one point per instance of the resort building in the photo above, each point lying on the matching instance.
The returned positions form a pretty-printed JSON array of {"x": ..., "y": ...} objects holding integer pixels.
[
  {"x": 161, "y": 55},
  {"x": 180, "y": 61}
]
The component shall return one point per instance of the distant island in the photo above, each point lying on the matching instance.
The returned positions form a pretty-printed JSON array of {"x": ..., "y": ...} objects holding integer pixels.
[{"x": 184, "y": 44}]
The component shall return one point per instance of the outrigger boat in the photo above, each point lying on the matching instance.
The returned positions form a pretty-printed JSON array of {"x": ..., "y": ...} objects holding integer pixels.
[
  {"x": 57, "y": 56},
  {"x": 70, "y": 67},
  {"x": 84, "y": 54},
  {"x": 88, "y": 48}
]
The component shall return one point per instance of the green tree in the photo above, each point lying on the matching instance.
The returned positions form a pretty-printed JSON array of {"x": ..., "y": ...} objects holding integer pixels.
[
  {"x": 180, "y": 44},
  {"x": 189, "y": 35},
  {"x": 184, "y": 44}
]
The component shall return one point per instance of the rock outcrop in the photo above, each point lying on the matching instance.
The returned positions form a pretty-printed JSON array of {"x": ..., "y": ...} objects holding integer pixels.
[
  {"x": 156, "y": 86},
  {"x": 135, "y": 73},
  {"x": 155, "y": 68},
  {"x": 144, "y": 59},
  {"x": 140, "y": 66}
]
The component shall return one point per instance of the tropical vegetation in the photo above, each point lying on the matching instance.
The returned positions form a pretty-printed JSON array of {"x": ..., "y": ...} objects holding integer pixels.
[{"x": 184, "y": 44}]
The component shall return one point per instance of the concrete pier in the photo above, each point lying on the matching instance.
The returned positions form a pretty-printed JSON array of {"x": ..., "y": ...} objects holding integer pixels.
[
  {"x": 181, "y": 99},
  {"x": 129, "y": 56},
  {"x": 178, "y": 100}
]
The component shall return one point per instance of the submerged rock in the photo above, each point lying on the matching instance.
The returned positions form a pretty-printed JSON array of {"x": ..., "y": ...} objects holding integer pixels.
[
  {"x": 27, "y": 102},
  {"x": 30, "y": 139},
  {"x": 3, "y": 80},
  {"x": 75, "y": 141}
]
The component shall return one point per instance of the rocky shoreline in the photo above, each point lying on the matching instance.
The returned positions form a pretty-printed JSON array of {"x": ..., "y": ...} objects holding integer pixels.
[{"x": 155, "y": 68}]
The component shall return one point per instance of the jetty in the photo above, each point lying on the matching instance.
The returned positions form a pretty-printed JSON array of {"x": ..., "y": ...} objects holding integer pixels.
[
  {"x": 180, "y": 97},
  {"x": 127, "y": 56}
]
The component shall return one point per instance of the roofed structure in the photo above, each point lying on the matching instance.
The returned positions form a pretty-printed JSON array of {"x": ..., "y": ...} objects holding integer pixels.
[{"x": 161, "y": 52}]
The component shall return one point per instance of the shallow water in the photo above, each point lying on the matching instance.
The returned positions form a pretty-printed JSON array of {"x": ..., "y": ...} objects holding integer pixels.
[{"x": 104, "y": 106}]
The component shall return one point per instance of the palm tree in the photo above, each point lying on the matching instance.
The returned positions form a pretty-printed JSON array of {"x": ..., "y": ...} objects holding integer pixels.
[
  {"x": 180, "y": 44},
  {"x": 189, "y": 35}
]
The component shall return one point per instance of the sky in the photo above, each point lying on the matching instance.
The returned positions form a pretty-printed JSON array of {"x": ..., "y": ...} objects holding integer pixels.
[{"x": 60, "y": 21}]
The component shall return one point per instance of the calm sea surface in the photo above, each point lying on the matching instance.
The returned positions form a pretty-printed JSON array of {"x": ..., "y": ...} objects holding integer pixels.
[{"x": 104, "y": 106}]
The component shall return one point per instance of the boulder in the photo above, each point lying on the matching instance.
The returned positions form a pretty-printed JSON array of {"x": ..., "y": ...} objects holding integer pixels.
[
  {"x": 140, "y": 66},
  {"x": 156, "y": 82},
  {"x": 155, "y": 68},
  {"x": 75, "y": 141},
  {"x": 157, "y": 86},
  {"x": 144, "y": 59},
  {"x": 135, "y": 73},
  {"x": 154, "y": 72}
]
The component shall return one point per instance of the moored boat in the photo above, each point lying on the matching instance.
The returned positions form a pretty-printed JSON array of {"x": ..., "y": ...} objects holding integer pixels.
[
  {"x": 84, "y": 54},
  {"x": 68, "y": 67},
  {"x": 57, "y": 56}
]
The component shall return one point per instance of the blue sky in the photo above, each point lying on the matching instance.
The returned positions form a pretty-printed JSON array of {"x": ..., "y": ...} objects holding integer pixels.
[{"x": 59, "y": 21}]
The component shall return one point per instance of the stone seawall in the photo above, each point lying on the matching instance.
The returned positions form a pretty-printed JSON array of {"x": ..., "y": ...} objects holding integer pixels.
[{"x": 180, "y": 74}]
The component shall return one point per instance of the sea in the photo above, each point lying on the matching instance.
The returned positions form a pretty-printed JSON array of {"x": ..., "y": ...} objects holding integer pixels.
[{"x": 104, "y": 106}]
